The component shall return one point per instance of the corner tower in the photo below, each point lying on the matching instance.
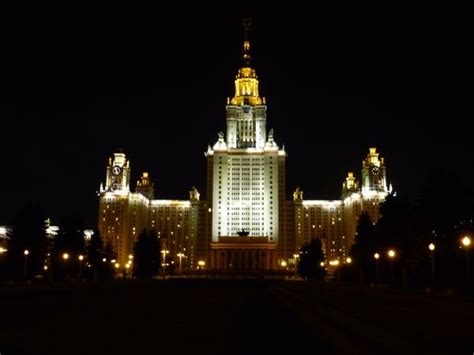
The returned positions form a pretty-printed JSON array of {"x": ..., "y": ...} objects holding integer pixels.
[
  {"x": 114, "y": 202},
  {"x": 117, "y": 177},
  {"x": 373, "y": 173}
]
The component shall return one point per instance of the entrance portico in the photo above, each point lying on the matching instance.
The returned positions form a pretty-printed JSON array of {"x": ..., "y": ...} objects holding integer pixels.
[{"x": 243, "y": 253}]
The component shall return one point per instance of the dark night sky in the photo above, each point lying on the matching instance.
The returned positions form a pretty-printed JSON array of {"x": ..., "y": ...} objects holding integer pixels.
[{"x": 73, "y": 90}]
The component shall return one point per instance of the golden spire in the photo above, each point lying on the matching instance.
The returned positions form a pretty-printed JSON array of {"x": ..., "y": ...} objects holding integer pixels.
[
  {"x": 246, "y": 22},
  {"x": 246, "y": 81}
]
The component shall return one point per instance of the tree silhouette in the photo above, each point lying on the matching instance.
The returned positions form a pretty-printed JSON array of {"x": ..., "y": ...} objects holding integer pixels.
[
  {"x": 146, "y": 258},
  {"x": 29, "y": 233},
  {"x": 445, "y": 212},
  {"x": 365, "y": 242},
  {"x": 311, "y": 256},
  {"x": 95, "y": 254},
  {"x": 365, "y": 245},
  {"x": 109, "y": 252},
  {"x": 398, "y": 230},
  {"x": 70, "y": 240}
]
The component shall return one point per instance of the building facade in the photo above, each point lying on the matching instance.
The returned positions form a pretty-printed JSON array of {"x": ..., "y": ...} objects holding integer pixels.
[{"x": 247, "y": 222}]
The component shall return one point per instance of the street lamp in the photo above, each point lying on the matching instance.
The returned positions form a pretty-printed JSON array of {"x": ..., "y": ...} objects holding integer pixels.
[
  {"x": 180, "y": 256},
  {"x": 348, "y": 260},
  {"x": 127, "y": 267},
  {"x": 391, "y": 255},
  {"x": 26, "y": 252},
  {"x": 201, "y": 264},
  {"x": 296, "y": 256},
  {"x": 466, "y": 241},
  {"x": 432, "y": 247},
  {"x": 66, "y": 258},
  {"x": 376, "y": 257},
  {"x": 2, "y": 250},
  {"x": 164, "y": 252},
  {"x": 80, "y": 257}
]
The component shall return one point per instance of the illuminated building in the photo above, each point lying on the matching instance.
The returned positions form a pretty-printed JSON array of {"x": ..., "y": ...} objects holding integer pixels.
[
  {"x": 246, "y": 223},
  {"x": 246, "y": 170},
  {"x": 123, "y": 215},
  {"x": 365, "y": 198},
  {"x": 335, "y": 222}
]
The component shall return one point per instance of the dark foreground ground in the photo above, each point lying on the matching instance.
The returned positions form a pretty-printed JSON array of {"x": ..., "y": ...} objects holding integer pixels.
[{"x": 230, "y": 317}]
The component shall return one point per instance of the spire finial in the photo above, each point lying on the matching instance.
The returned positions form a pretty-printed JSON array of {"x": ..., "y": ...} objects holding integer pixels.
[{"x": 247, "y": 23}]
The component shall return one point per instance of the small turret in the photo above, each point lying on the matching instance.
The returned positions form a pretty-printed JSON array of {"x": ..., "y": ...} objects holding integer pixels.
[
  {"x": 350, "y": 185},
  {"x": 298, "y": 195},
  {"x": 194, "y": 194},
  {"x": 145, "y": 186}
]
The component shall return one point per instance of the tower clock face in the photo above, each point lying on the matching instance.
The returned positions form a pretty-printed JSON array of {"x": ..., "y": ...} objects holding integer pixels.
[{"x": 116, "y": 170}]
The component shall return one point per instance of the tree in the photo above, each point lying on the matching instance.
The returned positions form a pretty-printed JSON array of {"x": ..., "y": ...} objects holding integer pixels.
[
  {"x": 311, "y": 256},
  {"x": 95, "y": 255},
  {"x": 399, "y": 230},
  {"x": 71, "y": 236},
  {"x": 365, "y": 245},
  {"x": 29, "y": 233},
  {"x": 70, "y": 240},
  {"x": 146, "y": 258},
  {"x": 107, "y": 266},
  {"x": 365, "y": 242},
  {"x": 445, "y": 200},
  {"x": 445, "y": 211}
]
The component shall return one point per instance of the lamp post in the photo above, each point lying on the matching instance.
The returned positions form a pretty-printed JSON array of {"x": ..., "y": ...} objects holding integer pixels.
[
  {"x": 80, "y": 258},
  {"x": 117, "y": 269},
  {"x": 66, "y": 258},
  {"x": 180, "y": 256},
  {"x": 164, "y": 252},
  {"x": 391, "y": 254},
  {"x": 295, "y": 257},
  {"x": 26, "y": 252},
  {"x": 376, "y": 257},
  {"x": 201, "y": 264},
  {"x": 432, "y": 248},
  {"x": 128, "y": 266},
  {"x": 466, "y": 241}
]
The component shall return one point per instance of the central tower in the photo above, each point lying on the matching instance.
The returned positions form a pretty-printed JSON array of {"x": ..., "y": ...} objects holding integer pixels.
[
  {"x": 246, "y": 111},
  {"x": 246, "y": 168}
]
